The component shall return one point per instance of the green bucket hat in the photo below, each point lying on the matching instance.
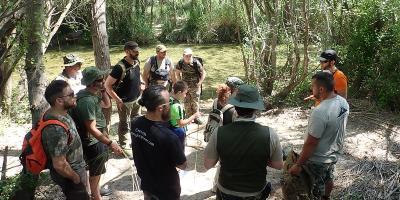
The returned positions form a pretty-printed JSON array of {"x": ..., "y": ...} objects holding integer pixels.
[
  {"x": 90, "y": 74},
  {"x": 247, "y": 97}
]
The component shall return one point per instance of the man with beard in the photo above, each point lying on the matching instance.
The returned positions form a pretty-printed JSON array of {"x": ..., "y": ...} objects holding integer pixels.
[
  {"x": 67, "y": 166},
  {"x": 157, "y": 150},
  {"x": 124, "y": 85},
  {"x": 328, "y": 59},
  {"x": 325, "y": 135},
  {"x": 91, "y": 125}
]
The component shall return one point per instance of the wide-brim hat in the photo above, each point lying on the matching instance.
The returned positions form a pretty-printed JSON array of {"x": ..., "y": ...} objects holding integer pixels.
[
  {"x": 247, "y": 97},
  {"x": 71, "y": 60},
  {"x": 90, "y": 74}
]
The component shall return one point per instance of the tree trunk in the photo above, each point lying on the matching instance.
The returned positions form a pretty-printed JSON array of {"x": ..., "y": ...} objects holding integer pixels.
[
  {"x": 33, "y": 63},
  {"x": 151, "y": 12},
  {"x": 99, "y": 35},
  {"x": 100, "y": 44}
]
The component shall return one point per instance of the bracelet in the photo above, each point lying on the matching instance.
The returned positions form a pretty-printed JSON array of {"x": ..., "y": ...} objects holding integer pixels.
[{"x": 108, "y": 144}]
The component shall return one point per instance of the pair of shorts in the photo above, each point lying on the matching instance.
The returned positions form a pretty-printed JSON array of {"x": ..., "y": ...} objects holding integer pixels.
[
  {"x": 96, "y": 156},
  {"x": 321, "y": 174}
]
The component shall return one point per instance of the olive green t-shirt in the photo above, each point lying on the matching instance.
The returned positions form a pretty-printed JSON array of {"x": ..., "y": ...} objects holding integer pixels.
[
  {"x": 88, "y": 108},
  {"x": 55, "y": 142}
]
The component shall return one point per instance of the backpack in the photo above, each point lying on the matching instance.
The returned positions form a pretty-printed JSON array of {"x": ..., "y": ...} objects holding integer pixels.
[
  {"x": 215, "y": 119},
  {"x": 33, "y": 157},
  {"x": 157, "y": 73},
  {"x": 195, "y": 65},
  {"x": 124, "y": 72}
]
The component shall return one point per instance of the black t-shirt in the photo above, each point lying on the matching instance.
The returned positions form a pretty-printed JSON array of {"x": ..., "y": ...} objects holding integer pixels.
[
  {"x": 129, "y": 89},
  {"x": 156, "y": 152}
]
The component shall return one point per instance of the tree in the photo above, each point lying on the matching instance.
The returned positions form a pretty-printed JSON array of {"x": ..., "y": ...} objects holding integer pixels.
[{"x": 34, "y": 58}]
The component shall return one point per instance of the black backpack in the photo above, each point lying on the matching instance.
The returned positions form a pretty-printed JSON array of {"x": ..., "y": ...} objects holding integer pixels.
[
  {"x": 157, "y": 73},
  {"x": 124, "y": 72}
]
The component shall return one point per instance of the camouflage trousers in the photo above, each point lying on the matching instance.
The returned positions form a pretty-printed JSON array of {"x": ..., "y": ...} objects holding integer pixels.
[{"x": 192, "y": 100}]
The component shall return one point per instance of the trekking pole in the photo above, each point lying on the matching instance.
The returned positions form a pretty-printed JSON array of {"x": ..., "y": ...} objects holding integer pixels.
[{"x": 135, "y": 180}]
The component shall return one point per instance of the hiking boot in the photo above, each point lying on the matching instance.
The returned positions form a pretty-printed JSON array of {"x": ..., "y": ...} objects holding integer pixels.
[
  {"x": 105, "y": 191},
  {"x": 198, "y": 121}
]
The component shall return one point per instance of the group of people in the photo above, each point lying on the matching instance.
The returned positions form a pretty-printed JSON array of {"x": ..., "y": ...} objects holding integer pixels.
[{"x": 170, "y": 94}]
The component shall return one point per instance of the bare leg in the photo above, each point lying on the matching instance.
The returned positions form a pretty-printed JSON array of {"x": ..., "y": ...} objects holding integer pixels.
[{"x": 94, "y": 187}]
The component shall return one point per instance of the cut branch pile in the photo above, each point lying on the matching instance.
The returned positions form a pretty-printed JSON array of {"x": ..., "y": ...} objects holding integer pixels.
[{"x": 368, "y": 179}]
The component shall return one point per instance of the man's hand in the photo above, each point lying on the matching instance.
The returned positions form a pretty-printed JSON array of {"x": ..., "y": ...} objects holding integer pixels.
[
  {"x": 120, "y": 104},
  {"x": 295, "y": 170},
  {"x": 116, "y": 148}
]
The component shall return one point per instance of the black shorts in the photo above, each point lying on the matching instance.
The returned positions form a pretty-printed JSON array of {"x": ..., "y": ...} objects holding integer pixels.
[{"x": 96, "y": 156}]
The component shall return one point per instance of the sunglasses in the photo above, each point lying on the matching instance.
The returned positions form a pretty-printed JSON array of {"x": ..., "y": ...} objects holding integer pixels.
[
  {"x": 99, "y": 80},
  {"x": 72, "y": 94},
  {"x": 324, "y": 61}
]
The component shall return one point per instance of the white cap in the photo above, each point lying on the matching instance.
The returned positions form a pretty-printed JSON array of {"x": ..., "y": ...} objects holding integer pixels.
[{"x": 187, "y": 51}]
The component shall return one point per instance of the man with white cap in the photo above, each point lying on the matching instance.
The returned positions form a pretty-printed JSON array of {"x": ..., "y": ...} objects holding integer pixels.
[
  {"x": 158, "y": 69},
  {"x": 244, "y": 148},
  {"x": 191, "y": 70},
  {"x": 72, "y": 72}
]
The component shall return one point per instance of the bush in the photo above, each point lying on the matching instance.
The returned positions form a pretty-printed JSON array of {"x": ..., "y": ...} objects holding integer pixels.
[{"x": 372, "y": 59}]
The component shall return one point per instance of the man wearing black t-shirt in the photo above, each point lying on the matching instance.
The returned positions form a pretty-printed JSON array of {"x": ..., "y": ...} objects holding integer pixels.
[
  {"x": 157, "y": 150},
  {"x": 124, "y": 85}
]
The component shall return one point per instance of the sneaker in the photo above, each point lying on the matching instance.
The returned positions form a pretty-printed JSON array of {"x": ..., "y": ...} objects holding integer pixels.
[
  {"x": 105, "y": 191},
  {"x": 198, "y": 121}
]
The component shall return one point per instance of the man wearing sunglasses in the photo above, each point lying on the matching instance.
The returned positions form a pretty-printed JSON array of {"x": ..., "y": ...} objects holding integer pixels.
[
  {"x": 157, "y": 150},
  {"x": 91, "y": 125},
  {"x": 328, "y": 60},
  {"x": 67, "y": 167}
]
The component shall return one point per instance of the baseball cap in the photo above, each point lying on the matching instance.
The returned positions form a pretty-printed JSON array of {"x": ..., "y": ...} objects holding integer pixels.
[
  {"x": 328, "y": 55},
  {"x": 161, "y": 48},
  {"x": 131, "y": 45},
  {"x": 187, "y": 51}
]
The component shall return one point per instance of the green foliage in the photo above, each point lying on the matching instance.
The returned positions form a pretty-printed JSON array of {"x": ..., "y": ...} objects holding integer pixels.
[
  {"x": 124, "y": 24},
  {"x": 372, "y": 58}
]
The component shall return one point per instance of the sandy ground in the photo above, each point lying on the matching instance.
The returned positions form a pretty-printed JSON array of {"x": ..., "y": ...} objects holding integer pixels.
[{"x": 370, "y": 136}]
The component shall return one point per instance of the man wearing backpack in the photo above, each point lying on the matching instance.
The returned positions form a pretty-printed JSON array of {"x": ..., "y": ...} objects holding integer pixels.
[
  {"x": 244, "y": 148},
  {"x": 158, "y": 69},
  {"x": 124, "y": 85},
  {"x": 91, "y": 125},
  {"x": 64, "y": 148},
  {"x": 190, "y": 69}
]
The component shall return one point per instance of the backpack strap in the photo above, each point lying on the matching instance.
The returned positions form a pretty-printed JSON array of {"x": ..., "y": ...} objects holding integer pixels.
[
  {"x": 226, "y": 108},
  {"x": 44, "y": 123}
]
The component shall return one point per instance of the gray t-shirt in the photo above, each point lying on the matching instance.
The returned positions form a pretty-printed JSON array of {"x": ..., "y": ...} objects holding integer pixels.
[{"x": 328, "y": 123}]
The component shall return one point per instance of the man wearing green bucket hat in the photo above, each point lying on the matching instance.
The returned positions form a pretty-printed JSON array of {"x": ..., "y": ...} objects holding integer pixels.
[
  {"x": 244, "y": 148},
  {"x": 91, "y": 125}
]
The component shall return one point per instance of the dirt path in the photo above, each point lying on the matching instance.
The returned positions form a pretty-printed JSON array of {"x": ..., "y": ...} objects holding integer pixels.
[{"x": 371, "y": 138}]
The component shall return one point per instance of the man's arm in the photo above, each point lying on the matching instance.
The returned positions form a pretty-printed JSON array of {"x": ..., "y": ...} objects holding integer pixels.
[
  {"x": 92, "y": 129},
  {"x": 62, "y": 167},
  {"x": 105, "y": 99},
  {"x": 203, "y": 76},
  {"x": 211, "y": 156},
  {"x": 110, "y": 81},
  {"x": 146, "y": 73},
  {"x": 308, "y": 149},
  {"x": 276, "y": 157}
]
